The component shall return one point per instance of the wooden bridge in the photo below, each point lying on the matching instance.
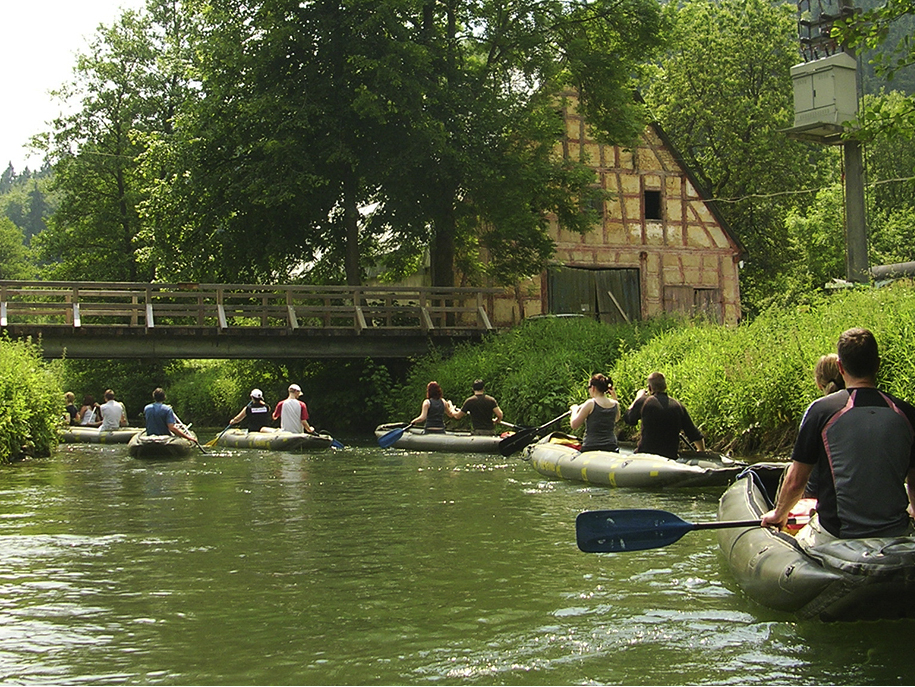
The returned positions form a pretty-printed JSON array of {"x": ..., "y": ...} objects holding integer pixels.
[{"x": 140, "y": 320}]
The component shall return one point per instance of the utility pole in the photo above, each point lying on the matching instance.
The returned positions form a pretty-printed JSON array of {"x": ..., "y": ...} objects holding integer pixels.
[{"x": 825, "y": 99}]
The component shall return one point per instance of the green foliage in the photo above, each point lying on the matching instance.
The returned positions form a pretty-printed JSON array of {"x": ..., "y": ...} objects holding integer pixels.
[
  {"x": 32, "y": 402},
  {"x": 723, "y": 94},
  {"x": 535, "y": 370},
  {"x": 345, "y": 396},
  {"x": 747, "y": 387},
  {"x": 27, "y": 200},
  {"x": 15, "y": 260},
  {"x": 885, "y": 30},
  {"x": 132, "y": 381},
  {"x": 127, "y": 87}
]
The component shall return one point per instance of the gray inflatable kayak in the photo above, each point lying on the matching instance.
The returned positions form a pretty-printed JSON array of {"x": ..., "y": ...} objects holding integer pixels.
[
  {"x": 415, "y": 439},
  {"x": 553, "y": 457},
  {"x": 848, "y": 579}
]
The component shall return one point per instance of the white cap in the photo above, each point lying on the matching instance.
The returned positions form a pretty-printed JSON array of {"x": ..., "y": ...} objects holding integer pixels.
[
  {"x": 257, "y": 393},
  {"x": 295, "y": 387}
]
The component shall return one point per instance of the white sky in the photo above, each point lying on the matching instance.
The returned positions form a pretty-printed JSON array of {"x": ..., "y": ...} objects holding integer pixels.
[{"x": 38, "y": 43}]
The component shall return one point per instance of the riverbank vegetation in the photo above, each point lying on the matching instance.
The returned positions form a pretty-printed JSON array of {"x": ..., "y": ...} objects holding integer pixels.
[
  {"x": 745, "y": 386},
  {"x": 32, "y": 406}
]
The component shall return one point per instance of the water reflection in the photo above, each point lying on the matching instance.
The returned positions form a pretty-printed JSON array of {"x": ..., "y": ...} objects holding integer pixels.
[{"x": 376, "y": 567}]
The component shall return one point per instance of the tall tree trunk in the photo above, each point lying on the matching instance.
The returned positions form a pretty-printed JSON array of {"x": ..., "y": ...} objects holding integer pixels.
[
  {"x": 351, "y": 223},
  {"x": 443, "y": 246}
]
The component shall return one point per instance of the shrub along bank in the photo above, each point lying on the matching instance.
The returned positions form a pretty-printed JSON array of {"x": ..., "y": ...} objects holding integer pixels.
[
  {"x": 32, "y": 402},
  {"x": 745, "y": 386}
]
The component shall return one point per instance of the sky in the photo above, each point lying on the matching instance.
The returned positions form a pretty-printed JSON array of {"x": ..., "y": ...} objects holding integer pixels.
[{"x": 38, "y": 43}]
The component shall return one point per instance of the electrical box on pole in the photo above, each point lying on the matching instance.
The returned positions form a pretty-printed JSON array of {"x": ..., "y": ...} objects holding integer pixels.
[{"x": 825, "y": 102}]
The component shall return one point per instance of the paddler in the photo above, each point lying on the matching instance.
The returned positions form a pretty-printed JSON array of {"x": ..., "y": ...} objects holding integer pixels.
[{"x": 859, "y": 444}]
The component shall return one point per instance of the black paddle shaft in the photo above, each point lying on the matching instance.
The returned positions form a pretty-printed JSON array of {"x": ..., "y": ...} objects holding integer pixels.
[{"x": 518, "y": 440}]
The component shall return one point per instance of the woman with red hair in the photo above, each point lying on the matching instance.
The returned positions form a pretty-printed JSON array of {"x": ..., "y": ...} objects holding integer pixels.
[{"x": 434, "y": 409}]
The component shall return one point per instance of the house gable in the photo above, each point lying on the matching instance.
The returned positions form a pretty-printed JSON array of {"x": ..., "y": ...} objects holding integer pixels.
[{"x": 656, "y": 221}]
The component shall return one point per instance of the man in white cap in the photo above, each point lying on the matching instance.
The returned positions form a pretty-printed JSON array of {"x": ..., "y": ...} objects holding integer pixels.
[
  {"x": 257, "y": 412},
  {"x": 293, "y": 413}
]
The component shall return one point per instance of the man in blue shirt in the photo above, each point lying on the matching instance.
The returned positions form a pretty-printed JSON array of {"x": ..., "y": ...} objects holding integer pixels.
[{"x": 160, "y": 418}]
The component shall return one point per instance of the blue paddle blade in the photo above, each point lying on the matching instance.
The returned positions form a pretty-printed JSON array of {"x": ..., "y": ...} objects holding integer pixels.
[
  {"x": 602, "y": 531},
  {"x": 391, "y": 437},
  {"x": 337, "y": 444}
]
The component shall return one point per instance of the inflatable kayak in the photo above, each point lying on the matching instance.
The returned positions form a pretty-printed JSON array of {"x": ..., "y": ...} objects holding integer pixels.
[
  {"x": 557, "y": 455},
  {"x": 273, "y": 441},
  {"x": 415, "y": 438},
  {"x": 160, "y": 446},
  {"x": 847, "y": 579},
  {"x": 94, "y": 435}
]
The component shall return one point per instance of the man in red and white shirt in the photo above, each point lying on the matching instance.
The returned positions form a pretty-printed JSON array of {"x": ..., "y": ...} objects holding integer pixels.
[{"x": 293, "y": 413}]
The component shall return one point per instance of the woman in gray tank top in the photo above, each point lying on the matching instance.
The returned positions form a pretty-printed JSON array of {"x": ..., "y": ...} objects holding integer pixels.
[{"x": 599, "y": 415}]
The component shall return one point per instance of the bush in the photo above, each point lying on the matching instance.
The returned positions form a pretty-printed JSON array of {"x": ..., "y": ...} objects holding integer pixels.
[
  {"x": 535, "y": 370},
  {"x": 746, "y": 387},
  {"x": 33, "y": 403}
]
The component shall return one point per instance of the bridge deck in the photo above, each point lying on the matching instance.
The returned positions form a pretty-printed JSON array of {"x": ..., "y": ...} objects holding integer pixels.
[{"x": 139, "y": 320}]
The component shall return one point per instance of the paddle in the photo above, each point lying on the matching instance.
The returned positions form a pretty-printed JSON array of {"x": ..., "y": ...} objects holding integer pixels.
[
  {"x": 212, "y": 442},
  {"x": 519, "y": 440},
  {"x": 393, "y": 436},
  {"x": 187, "y": 428},
  {"x": 333, "y": 442},
  {"x": 602, "y": 531}
]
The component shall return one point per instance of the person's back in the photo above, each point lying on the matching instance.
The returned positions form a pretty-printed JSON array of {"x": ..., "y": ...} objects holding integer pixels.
[
  {"x": 258, "y": 414},
  {"x": 293, "y": 413},
  {"x": 112, "y": 412},
  {"x": 159, "y": 416},
  {"x": 863, "y": 441},
  {"x": 480, "y": 407},
  {"x": 600, "y": 428},
  {"x": 859, "y": 446},
  {"x": 112, "y": 415},
  {"x": 663, "y": 418},
  {"x": 435, "y": 418}
]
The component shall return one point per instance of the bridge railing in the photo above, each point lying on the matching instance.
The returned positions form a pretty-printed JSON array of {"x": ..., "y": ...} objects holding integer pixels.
[{"x": 231, "y": 306}]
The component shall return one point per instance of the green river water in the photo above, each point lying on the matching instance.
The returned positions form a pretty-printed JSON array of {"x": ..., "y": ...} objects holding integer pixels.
[{"x": 369, "y": 566}]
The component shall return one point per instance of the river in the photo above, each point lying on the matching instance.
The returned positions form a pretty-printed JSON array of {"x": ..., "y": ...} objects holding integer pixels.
[{"x": 376, "y": 567}]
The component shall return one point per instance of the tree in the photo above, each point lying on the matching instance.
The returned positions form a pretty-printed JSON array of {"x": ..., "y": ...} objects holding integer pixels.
[
  {"x": 885, "y": 29},
  {"x": 127, "y": 85},
  {"x": 15, "y": 262},
  {"x": 723, "y": 93},
  {"x": 331, "y": 133}
]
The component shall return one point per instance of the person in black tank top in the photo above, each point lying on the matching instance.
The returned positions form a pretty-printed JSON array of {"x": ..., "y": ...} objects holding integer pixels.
[
  {"x": 434, "y": 409},
  {"x": 257, "y": 412},
  {"x": 599, "y": 415}
]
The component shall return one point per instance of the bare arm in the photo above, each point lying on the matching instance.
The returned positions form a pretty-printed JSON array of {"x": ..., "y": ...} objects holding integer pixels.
[
  {"x": 910, "y": 487},
  {"x": 422, "y": 416},
  {"x": 238, "y": 418},
  {"x": 177, "y": 431},
  {"x": 580, "y": 413},
  {"x": 789, "y": 494}
]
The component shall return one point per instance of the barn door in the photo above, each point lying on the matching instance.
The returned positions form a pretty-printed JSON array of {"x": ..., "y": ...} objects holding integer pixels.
[{"x": 609, "y": 295}]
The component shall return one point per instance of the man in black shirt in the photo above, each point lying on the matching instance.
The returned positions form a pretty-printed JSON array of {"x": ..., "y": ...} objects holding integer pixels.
[
  {"x": 860, "y": 444},
  {"x": 481, "y": 409},
  {"x": 663, "y": 418}
]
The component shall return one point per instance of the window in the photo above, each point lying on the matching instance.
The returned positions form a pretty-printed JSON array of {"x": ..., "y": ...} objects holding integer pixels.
[{"x": 653, "y": 205}]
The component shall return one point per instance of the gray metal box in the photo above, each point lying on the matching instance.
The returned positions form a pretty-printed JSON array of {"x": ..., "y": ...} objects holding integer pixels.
[{"x": 825, "y": 91}]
